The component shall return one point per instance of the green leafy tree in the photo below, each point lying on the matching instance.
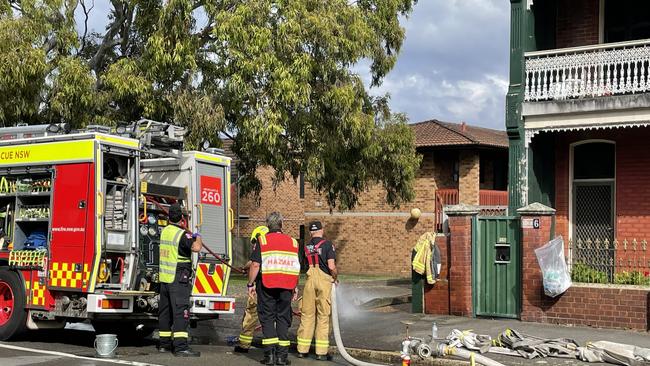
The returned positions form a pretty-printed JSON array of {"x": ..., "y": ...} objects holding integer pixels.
[{"x": 275, "y": 75}]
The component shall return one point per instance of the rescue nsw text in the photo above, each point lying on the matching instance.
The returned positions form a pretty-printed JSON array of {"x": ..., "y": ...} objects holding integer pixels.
[{"x": 14, "y": 154}]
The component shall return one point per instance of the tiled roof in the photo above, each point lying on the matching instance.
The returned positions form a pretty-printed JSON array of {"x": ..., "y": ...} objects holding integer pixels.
[{"x": 437, "y": 133}]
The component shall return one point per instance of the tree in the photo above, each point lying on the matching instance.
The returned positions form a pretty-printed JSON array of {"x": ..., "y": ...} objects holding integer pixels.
[{"x": 275, "y": 75}]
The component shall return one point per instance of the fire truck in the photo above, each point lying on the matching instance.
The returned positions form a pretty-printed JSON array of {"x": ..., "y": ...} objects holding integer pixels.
[{"x": 81, "y": 214}]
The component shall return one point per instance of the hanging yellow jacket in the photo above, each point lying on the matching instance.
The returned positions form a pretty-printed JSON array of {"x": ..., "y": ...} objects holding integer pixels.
[{"x": 422, "y": 259}]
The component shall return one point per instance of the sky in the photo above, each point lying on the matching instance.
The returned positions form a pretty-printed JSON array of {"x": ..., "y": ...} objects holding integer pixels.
[{"x": 453, "y": 64}]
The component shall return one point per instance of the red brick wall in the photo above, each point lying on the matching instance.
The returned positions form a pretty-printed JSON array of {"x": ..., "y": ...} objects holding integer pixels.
[
  {"x": 436, "y": 297},
  {"x": 375, "y": 238},
  {"x": 460, "y": 278},
  {"x": 284, "y": 199},
  {"x": 632, "y": 187},
  {"x": 379, "y": 245},
  {"x": 606, "y": 306},
  {"x": 577, "y": 23},
  {"x": 374, "y": 200},
  {"x": 598, "y": 306},
  {"x": 532, "y": 290}
]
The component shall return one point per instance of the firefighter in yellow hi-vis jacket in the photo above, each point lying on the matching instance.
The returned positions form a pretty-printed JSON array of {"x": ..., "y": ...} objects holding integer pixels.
[
  {"x": 250, "y": 321},
  {"x": 316, "y": 308}
]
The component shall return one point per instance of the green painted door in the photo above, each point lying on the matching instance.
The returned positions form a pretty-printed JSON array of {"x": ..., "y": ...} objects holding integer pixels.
[{"x": 497, "y": 267}]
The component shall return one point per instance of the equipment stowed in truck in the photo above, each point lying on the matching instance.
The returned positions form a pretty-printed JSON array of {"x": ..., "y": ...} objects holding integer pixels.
[{"x": 81, "y": 214}]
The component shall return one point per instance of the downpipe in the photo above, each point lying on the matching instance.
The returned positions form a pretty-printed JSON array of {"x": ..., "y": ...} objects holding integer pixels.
[{"x": 337, "y": 335}]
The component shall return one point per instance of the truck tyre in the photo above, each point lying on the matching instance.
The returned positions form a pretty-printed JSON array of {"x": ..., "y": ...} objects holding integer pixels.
[{"x": 13, "y": 315}]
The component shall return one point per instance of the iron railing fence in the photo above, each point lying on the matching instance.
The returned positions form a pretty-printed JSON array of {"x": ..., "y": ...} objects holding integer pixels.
[{"x": 623, "y": 262}]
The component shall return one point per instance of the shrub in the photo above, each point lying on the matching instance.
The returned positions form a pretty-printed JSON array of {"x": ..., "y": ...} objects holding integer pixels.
[
  {"x": 586, "y": 274},
  {"x": 631, "y": 278}
]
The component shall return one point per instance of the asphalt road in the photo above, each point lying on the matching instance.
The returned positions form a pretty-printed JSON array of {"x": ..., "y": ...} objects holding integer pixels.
[{"x": 74, "y": 347}]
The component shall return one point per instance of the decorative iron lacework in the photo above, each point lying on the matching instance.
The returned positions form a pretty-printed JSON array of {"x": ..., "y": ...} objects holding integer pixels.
[{"x": 622, "y": 68}]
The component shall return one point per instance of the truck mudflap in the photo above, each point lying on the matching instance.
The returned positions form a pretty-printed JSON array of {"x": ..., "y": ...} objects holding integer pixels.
[{"x": 207, "y": 305}]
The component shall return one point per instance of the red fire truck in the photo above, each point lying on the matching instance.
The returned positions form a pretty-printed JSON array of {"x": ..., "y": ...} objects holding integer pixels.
[{"x": 80, "y": 219}]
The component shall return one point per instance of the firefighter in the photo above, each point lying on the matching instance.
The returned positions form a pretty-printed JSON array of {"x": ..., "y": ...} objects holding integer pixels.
[
  {"x": 273, "y": 278},
  {"x": 176, "y": 247},
  {"x": 316, "y": 309},
  {"x": 249, "y": 323}
]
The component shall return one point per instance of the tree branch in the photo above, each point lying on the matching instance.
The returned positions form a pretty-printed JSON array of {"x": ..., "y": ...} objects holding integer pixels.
[
  {"x": 126, "y": 30},
  {"x": 109, "y": 42},
  {"x": 86, "y": 11}
]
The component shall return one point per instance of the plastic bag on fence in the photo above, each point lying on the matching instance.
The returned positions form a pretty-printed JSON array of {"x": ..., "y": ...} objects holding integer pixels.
[{"x": 555, "y": 272}]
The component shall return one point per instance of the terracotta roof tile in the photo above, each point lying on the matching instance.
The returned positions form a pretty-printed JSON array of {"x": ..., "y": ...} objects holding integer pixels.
[{"x": 437, "y": 133}]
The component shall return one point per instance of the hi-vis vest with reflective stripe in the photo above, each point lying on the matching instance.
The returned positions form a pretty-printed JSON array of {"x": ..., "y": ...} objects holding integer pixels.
[
  {"x": 280, "y": 263},
  {"x": 170, "y": 238}
]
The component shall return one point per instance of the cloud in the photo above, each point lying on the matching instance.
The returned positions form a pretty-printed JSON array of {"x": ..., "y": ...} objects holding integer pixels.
[{"x": 454, "y": 63}]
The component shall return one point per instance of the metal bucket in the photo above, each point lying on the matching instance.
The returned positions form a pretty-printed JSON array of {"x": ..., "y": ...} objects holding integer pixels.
[{"x": 105, "y": 345}]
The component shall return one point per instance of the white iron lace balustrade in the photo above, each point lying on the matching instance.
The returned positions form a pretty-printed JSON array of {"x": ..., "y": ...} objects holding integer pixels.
[{"x": 591, "y": 71}]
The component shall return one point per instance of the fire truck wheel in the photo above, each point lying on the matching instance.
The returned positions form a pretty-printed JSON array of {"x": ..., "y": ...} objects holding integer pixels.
[{"x": 13, "y": 316}]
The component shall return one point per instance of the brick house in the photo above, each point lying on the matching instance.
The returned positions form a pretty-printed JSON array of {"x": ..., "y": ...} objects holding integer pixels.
[
  {"x": 578, "y": 123},
  {"x": 578, "y": 117},
  {"x": 460, "y": 164}
]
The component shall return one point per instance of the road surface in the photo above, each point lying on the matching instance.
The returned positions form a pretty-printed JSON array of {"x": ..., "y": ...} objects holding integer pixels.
[{"x": 74, "y": 347}]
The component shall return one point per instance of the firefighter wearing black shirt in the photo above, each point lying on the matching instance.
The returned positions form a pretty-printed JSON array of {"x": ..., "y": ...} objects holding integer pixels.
[
  {"x": 273, "y": 278},
  {"x": 316, "y": 308},
  {"x": 175, "y": 273}
]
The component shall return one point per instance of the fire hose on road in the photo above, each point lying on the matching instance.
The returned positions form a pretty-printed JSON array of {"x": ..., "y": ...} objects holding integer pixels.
[
  {"x": 337, "y": 334},
  {"x": 412, "y": 346}
]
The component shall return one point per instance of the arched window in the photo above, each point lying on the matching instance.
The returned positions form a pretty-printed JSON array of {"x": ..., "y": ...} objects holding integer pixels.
[{"x": 593, "y": 203}]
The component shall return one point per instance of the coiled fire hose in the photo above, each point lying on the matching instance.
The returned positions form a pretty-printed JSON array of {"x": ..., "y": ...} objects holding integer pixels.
[{"x": 442, "y": 349}]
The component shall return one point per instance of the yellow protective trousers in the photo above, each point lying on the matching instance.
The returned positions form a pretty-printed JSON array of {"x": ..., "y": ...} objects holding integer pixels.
[
  {"x": 249, "y": 323},
  {"x": 315, "y": 312}
]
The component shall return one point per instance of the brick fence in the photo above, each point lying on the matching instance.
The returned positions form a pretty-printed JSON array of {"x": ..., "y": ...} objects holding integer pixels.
[{"x": 605, "y": 306}]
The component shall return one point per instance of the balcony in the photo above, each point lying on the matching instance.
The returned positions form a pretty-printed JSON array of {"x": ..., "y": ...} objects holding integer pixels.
[
  {"x": 590, "y": 71},
  {"x": 491, "y": 203}
]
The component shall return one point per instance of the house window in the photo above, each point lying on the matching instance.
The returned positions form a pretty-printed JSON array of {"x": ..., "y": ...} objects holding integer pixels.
[
  {"x": 594, "y": 161},
  {"x": 593, "y": 194}
]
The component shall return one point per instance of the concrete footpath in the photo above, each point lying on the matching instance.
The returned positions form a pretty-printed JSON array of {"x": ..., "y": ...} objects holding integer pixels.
[{"x": 377, "y": 333}]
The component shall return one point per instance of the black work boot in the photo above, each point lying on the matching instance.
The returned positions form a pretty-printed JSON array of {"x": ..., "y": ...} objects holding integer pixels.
[
  {"x": 240, "y": 349},
  {"x": 269, "y": 358},
  {"x": 187, "y": 353},
  {"x": 283, "y": 360},
  {"x": 324, "y": 357}
]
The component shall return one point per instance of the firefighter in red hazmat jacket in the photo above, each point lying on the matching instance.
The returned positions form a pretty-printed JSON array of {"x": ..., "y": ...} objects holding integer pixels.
[{"x": 273, "y": 278}]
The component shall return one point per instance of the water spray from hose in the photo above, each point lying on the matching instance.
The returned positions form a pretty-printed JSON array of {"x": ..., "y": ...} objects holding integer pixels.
[
  {"x": 410, "y": 346},
  {"x": 337, "y": 335}
]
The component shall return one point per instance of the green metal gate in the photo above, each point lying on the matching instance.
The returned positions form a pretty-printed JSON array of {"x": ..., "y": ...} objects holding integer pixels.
[{"x": 497, "y": 267}]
